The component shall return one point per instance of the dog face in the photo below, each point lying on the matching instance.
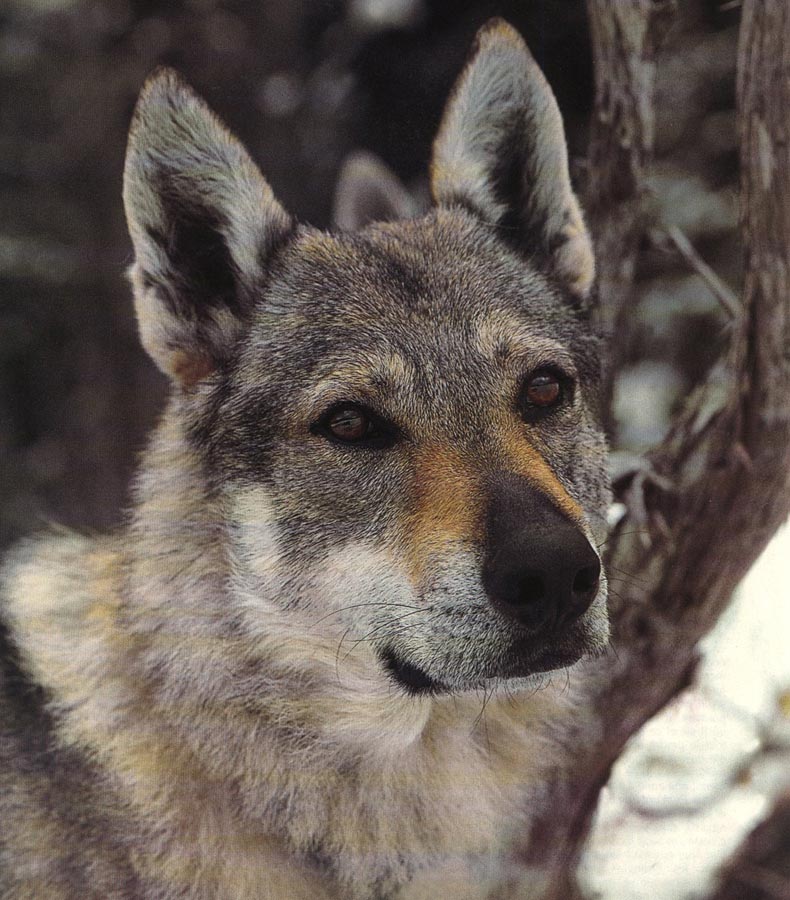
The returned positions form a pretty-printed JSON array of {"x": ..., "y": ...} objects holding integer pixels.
[{"x": 401, "y": 421}]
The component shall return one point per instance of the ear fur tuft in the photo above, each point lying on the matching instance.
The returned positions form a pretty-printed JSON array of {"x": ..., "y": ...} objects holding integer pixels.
[
  {"x": 501, "y": 152},
  {"x": 203, "y": 222}
]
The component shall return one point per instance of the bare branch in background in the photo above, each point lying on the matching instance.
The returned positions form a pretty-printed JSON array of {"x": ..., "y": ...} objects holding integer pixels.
[{"x": 724, "y": 294}]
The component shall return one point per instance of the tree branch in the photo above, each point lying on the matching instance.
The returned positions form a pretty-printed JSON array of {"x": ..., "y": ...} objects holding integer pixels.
[{"x": 724, "y": 294}]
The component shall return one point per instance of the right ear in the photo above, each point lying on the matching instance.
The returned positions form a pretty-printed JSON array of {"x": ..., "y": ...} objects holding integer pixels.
[
  {"x": 203, "y": 222},
  {"x": 500, "y": 152}
]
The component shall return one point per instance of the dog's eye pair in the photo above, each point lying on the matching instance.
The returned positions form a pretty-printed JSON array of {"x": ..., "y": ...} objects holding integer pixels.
[{"x": 542, "y": 391}]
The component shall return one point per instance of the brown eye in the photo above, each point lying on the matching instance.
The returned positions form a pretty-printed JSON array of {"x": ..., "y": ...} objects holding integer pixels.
[
  {"x": 354, "y": 424},
  {"x": 543, "y": 389},
  {"x": 349, "y": 424}
]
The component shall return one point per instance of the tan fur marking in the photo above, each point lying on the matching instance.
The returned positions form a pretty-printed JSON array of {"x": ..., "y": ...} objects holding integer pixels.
[
  {"x": 447, "y": 505},
  {"x": 503, "y": 336},
  {"x": 190, "y": 368},
  {"x": 526, "y": 460},
  {"x": 361, "y": 377}
]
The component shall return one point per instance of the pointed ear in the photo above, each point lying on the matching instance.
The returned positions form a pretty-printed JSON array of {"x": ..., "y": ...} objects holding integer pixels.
[
  {"x": 501, "y": 152},
  {"x": 369, "y": 191},
  {"x": 203, "y": 223}
]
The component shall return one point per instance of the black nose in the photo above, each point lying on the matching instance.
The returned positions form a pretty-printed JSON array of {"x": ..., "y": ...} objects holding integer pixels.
[{"x": 540, "y": 569}]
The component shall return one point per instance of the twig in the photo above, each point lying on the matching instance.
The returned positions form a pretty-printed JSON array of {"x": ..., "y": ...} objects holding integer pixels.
[{"x": 722, "y": 292}]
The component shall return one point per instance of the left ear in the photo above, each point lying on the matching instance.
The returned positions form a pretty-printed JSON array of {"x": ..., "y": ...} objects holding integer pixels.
[
  {"x": 204, "y": 225},
  {"x": 369, "y": 191},
  {"x": 501, "y": 152}
]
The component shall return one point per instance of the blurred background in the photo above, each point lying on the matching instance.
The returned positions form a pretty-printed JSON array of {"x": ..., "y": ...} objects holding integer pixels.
[{"x": 302, "y": 83}]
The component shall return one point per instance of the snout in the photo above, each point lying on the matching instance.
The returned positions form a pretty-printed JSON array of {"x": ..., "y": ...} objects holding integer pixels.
[{"x": 539, "y": 570}]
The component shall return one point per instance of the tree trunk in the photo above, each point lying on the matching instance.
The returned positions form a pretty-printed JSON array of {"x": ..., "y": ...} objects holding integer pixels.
[
  {"x": 625, "y": 37},
  {"x": 719, "y": 485}
]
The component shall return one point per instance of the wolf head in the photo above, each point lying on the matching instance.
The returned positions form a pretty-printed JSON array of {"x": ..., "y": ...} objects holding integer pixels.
[{"x": 401, "y": 422}]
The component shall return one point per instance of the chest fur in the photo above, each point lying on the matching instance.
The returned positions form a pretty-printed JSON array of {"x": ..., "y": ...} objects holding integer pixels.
[{"x": 280, "y": 800}]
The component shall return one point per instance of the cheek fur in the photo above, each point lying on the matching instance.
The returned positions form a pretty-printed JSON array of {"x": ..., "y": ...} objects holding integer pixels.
[{"x": 254, "y": 530}]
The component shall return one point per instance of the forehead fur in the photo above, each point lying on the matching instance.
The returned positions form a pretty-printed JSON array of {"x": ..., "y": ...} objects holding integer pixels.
[
  {"x": 412, "y": 287},
  {"x": 434, "y": 322}
]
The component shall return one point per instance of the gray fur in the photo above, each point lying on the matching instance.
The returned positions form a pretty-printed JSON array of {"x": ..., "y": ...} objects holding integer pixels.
[{"x": 200, "y": 705}]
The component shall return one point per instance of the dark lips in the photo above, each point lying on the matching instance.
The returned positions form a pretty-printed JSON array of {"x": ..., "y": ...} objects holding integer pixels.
[
  {"x": 556, "y": 659},
  {"x": 417, "y": 682},
  {"x": 411, "y": 678}
]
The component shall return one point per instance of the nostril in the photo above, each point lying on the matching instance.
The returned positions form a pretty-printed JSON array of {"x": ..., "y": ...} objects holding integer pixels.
[
  {"x": 586, "y": 580},
  {"x": 583, "y": 591}
]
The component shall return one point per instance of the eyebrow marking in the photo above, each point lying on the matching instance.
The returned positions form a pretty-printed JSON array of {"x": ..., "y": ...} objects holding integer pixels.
[
  {"x": 505, "y": 337},
  {"x": 371, "y": 376}
]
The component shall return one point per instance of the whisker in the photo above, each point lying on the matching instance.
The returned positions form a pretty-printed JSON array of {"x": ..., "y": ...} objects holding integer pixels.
[
  {"x": 337, "y": 654},
  {"x": 367, "y": 603},
  {"x": 370, "y": 635},
  {"x": 630, "y": 575},
  {"x": 619, "y": 534}
]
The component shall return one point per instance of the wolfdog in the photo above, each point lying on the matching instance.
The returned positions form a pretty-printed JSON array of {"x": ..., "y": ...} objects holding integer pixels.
[{"x": 366, "y": 528}]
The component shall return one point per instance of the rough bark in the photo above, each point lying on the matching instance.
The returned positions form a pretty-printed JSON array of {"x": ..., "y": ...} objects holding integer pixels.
[
  {"x": 714, "y": 492},
  {"x": 625, "y": 37}
]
